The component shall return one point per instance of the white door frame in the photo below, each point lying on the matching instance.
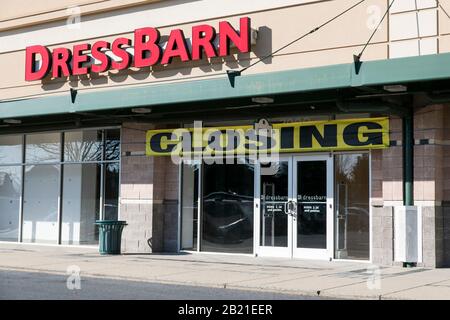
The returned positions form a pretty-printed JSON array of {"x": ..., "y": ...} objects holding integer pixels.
[
  {"x": 266, "y": 251},
  {"x": 291, "y": 251},
  {"x": 318, "y": 254}
]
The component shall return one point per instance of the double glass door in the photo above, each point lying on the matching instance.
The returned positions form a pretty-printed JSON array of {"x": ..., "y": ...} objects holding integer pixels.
[{"x": 294, "y": 207}]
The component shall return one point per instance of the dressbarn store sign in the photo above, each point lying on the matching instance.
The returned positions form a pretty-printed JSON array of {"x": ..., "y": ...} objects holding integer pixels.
[{"x": 145, "y": 50}]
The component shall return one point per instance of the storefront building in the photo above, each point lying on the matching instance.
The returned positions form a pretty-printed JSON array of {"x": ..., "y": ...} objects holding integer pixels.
[{"x": 98, "y": 100}]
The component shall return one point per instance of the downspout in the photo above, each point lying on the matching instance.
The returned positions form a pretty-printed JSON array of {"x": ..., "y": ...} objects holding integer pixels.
[
  {"x": 408, "y": 137},
  {"x": 408, "y": 159}
]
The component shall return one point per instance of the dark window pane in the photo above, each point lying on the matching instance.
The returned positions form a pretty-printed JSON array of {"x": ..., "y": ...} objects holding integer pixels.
[
  {"x": 312, "y": 204},
  {"x": 83, "y": 146},
  {"x": 274, "y": 195},
  {"x": 111, "y": 202},
  {"x": 227, "y": 222},
  {"x": 81, "y": 203},
  {"x": 10, "y": 192},
  {"x": 352, "y": 206},
  {"x": 112, "y": 144},
  {"x": 189, "y": 223}
]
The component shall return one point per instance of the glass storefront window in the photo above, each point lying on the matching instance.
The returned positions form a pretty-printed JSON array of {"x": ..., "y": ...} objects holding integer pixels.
[
  {"x": 112, "y": 144},
  {"x": 220, "y": 197},
  {"x": 43, "y": 148},
  {"x": 83, "y": 145},
  {"x": 352, "y": 220},
  {"x": 81, "y": 203},
  {"x": 189, "y": 206},
  {"x": 10, "y": 150},
  {"x": 10, "y": 197},
  {"x": 111, "y": 199},
  {"x": 70, "y": 180},
  {"x": 227, "y": 217},
  {"x": 40, "y": 205}
]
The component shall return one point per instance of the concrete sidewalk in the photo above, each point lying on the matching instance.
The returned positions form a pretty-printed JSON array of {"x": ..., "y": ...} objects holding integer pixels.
[{"x": 330, "y": 279}]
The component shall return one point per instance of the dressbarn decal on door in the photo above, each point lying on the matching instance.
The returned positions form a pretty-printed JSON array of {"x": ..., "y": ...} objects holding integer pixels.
[{"x": 145, "y": 50}]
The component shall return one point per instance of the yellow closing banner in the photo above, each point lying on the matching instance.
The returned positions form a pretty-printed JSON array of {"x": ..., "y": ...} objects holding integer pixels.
[{"x": 334, "y": 135}]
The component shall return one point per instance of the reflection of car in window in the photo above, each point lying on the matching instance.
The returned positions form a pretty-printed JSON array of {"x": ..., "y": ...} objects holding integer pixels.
[
  {"x": 358, "y": 212},
  {"x": 358, "y": 216},
  {"x": 229, "y": 217}
]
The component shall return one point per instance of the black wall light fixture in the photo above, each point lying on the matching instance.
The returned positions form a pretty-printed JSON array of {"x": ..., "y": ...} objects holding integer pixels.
[
  {"x": 232, "y": 74},
  {"x": 73, "y": 94},
  {"x": 357, "y": 58}
]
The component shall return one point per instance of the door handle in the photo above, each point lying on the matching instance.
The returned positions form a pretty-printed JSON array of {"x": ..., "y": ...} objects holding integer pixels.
[
  {"x": 294, "y": 209},
  {"x": 290, "y": 208}
]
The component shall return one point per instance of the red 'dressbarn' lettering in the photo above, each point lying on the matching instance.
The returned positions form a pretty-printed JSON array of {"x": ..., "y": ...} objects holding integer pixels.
[
  {"x": 79, "y": 58},
  {"x": 176, "y": 47},
  {"x": 30, "y": 60},
  {"x": 61, "y": 62},
  {"x": 121, "y": 53},
  {"x": 241, "y": 39},
  {"x": 202, "y": 41},
  {"x": 148, "y": 51},
  {"x": 99, "y": 55}
]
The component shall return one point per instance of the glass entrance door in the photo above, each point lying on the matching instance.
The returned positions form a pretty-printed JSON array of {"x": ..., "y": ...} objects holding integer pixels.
[
  {"x": 294, "y": 207},
  {"x": 313, "y": 220},
  {"x": 274, "y": 189}
]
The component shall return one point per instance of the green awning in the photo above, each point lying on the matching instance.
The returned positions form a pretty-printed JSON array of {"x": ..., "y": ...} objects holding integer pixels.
[{"x": 372, "y": 73}]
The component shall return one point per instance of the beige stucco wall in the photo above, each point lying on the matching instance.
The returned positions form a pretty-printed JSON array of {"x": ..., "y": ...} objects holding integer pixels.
[
  {"x": 336, "y": 43},
  {"x": 22, "y": 13},
  {"x": 444, "y": 18},
  {"x": 444, "y": 27},
  {"x": 23, "y": 8}
]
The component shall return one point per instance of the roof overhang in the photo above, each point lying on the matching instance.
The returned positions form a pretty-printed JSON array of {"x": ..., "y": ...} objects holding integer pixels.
[{"x": 403, "y": 71}]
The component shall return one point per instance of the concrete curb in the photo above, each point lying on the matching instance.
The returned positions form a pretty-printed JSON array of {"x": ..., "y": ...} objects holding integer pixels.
[{"x": 222, "y": 286}]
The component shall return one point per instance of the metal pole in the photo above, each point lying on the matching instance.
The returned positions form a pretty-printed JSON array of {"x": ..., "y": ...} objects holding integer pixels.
[{"x": 408, "y": 160}]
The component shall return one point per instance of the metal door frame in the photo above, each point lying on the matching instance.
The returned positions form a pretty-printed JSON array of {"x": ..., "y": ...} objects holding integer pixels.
[
  {"x": 319, "y": 254},
  {"x": 267, "y": 251},
  {"x": 291, "y": 251}
]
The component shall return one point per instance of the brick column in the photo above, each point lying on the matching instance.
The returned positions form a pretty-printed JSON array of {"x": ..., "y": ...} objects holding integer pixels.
[
  {"x": 149, "y": 201},
  {"x": 429, "y": 127},
  {"x": 387, "y": 191},
  {"x": 446, "y": 186}
]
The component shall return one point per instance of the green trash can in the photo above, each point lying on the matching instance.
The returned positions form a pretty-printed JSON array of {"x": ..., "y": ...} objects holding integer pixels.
[{"x": 110, "y": 235}]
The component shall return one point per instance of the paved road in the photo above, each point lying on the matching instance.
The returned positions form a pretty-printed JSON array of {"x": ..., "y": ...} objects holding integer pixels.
[{"x": 27, "y": 285}]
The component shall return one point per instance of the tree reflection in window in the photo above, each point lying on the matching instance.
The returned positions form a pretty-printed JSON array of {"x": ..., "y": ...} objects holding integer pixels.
[
  {"x": 112, "y": 144},
  {"x": 43, "y": 148},
  {"x": 83, "y": 146}
]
